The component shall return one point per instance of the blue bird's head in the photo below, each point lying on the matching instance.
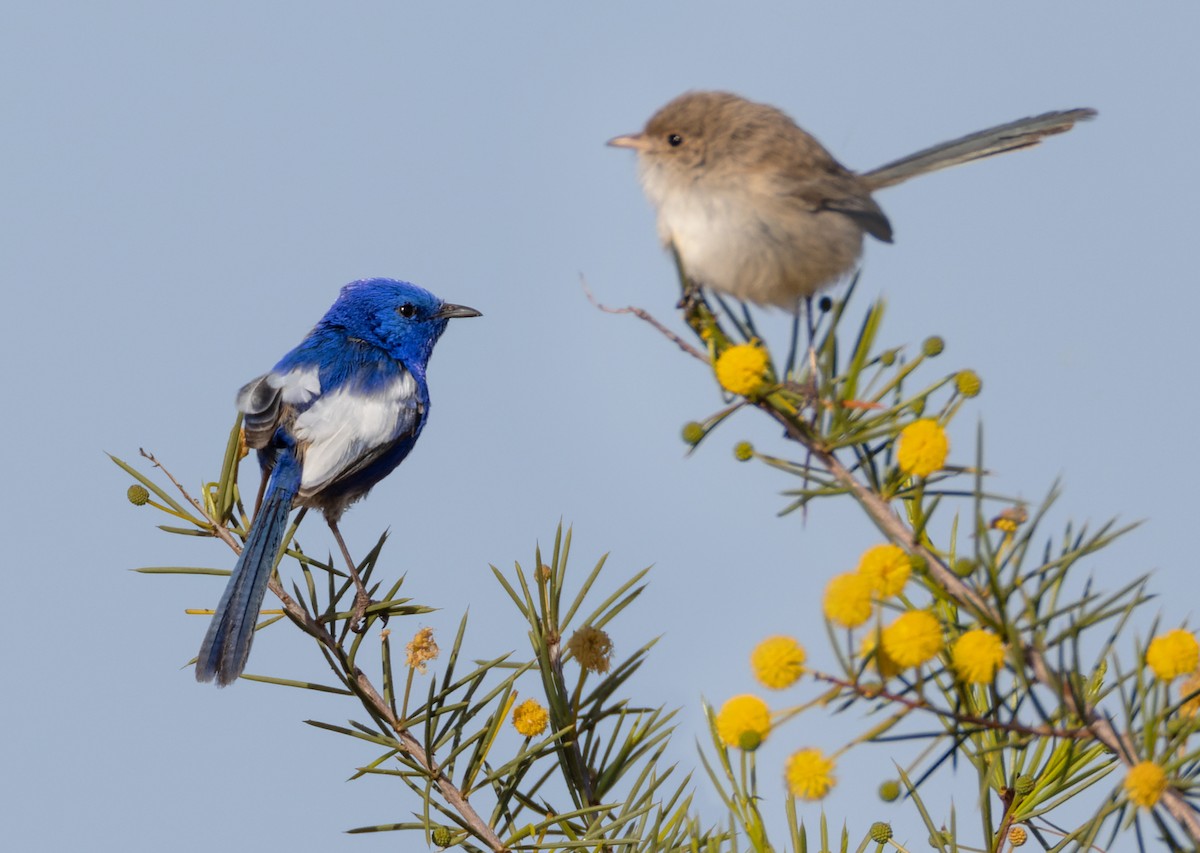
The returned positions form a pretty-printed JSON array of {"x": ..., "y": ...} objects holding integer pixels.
[{"x": 399, "y": 317}]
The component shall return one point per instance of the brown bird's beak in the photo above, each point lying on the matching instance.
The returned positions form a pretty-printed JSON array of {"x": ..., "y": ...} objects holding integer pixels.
[
  {"x": 636, "y": 141},
  {"x": 450, "y": 310}
]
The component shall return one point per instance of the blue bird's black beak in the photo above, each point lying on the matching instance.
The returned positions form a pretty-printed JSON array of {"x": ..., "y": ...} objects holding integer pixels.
[{"x": 449, "y": 310}]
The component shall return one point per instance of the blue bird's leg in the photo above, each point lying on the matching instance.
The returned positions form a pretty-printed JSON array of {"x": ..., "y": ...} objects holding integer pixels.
[
  {"x": 263, "y": 480},
  {"x": 362, "y": 599},
  {"x": 227, "y": 644}
]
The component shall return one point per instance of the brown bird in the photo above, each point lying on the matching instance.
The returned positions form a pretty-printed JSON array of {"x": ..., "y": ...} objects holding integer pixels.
[{"x": 755, "y": 207}]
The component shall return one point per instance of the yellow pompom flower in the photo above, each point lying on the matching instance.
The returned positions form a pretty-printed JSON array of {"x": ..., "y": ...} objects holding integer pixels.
[
  {"x": 922, "y": 448},
  {"x": 530, "y": 718},
  {"x": 744, "y": 722},
  {"x": 1145, "y": 783},
  {"x": 881, "y": 662},
  {"x": 1173, "y": 654},
  {"x": 887, "y": 567},
  {"x": 809, "y": 774},
  {"x": 1017, "y": 836},
  {"x": 913, "y": 638},
  {"x": 847, "y": 600},
  {"x": 743, "y": 369},
  {"x": 977, "y": 656},
  {"x": 778, "y": 662}
]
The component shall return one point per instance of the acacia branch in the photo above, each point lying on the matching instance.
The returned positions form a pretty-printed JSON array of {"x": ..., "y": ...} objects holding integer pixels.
[
  {"x": 358, "y": 682},
  {"x": 881, "y": 513},
  {"x": 700, "y": 318}
]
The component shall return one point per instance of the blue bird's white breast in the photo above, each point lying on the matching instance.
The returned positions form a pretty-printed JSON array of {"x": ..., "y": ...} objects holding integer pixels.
[{"x": 349, "y": 423}]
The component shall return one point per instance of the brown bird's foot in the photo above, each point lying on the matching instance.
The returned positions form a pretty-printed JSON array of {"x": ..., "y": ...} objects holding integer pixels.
[{"x": 691, "y": 299}]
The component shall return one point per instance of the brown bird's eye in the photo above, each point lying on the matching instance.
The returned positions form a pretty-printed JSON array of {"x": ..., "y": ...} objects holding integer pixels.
[
  {"x": 674, "y": 140},
  {"x": 406, "y": 310}
]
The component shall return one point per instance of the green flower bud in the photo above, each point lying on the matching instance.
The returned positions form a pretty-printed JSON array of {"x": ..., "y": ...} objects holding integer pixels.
[
  {"x": 933, "y": 346},
  {"x": 919, "y": 564},
  {"x": 743, "y": 451},
  {"x": 968, "y": 383},
  {"x": 881, "y": 832},
  {"x": 889, "y": 791},
  {"x": 693, "y": 433},
  {"x": 888, "y": 358},
  {"x": 1024, "y": 784},
  {"x": 964, "y": 567},
  {"x": 918, "y": 407},
  {"x": 138, "y": 496},
  {"x": 749, "y": 741},
  {"x": 442, "y": 836}
]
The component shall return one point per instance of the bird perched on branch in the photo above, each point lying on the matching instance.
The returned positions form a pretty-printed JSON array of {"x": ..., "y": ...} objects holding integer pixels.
[
  {"x": 334, "y": 417},
  {"x": 756, "y": 208}
]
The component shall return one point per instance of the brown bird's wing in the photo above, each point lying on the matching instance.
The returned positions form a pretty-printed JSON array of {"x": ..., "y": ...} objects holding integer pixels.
[
  {"x": 863, "y": 210},
  {"x": 840, "y": 191}
]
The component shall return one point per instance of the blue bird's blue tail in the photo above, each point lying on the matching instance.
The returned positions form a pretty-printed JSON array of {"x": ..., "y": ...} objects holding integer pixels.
[{"x": 227, "y": 643}]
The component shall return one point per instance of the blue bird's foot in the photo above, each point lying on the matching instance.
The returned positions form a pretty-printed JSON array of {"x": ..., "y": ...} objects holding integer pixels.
[{"x": 358, "y": 622}]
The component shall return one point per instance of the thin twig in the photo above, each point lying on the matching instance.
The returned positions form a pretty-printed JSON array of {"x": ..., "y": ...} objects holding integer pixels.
[
  {"x": 873, "y": 691},
  {"x": 643, "y": 314},
  {"x": 219, "y": 530}
]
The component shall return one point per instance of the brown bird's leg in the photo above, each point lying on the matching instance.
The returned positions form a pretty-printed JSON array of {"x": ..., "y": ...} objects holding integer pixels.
[
  {"x": 361, "y": 599},
  {"x": 812, "y": 340}
]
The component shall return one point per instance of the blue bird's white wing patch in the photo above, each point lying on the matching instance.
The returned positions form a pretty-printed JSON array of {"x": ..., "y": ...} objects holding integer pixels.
[
  {"x": 298, "y": 386},
  {"x": 347, "y": 424}
]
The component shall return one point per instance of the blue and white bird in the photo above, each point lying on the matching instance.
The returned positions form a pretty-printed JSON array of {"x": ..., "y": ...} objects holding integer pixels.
[{"x": 334, "y": 417}]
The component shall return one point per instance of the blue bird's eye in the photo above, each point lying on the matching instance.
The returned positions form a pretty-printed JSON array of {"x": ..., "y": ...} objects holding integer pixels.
[
  {"x": 406, "y": 310},
  {"x": 675, "y": 140}
]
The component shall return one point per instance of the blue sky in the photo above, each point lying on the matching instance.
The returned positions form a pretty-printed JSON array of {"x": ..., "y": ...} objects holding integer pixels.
[{"x": 185, "y": 187}]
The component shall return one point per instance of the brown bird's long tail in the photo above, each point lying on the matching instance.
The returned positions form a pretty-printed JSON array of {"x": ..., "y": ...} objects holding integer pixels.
[{"x": 1021, "y": 133}]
